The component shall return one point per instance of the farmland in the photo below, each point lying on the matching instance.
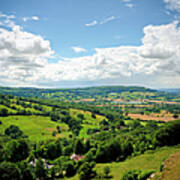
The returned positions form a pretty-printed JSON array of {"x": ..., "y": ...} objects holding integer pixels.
[{"x": 140, "y": 126}]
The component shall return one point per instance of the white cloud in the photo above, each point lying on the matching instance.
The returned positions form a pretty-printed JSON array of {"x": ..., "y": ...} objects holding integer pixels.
[
  {"x": 22, "y": 55},
  {"x": 24, "y": 60},
  {"x": 107, "y": 20},
  {"x": 104, "y": 21},
  {"x": 92, "y": 23},
  {"x": 157, "y": 58},
  {"x": 173, "y": 4},
  {"x": 34, "y": 18},
  {"x": 7, "y": 20},
  {"x": 78, "y": 49},
  {"x": 129, "y": 5}
]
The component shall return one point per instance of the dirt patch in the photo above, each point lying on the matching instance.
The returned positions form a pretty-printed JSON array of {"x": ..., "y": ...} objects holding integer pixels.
[
  {"x": 161, "y": 102},
  {"x": 171, "y": 168},
  {"x": 153, "y": 116},
  {"x": 50, "y": 129},
  {"x": 85, "y": 100}
]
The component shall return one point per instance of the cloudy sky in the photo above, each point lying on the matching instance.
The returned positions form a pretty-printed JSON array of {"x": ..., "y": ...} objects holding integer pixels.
[{"x": 79, "y": 43}]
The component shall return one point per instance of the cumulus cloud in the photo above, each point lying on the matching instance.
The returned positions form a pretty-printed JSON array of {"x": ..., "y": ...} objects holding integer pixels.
[
  {"x": 34, "y": 18},
  {"x": 78, "y": 49},
  {"x": 173, "y": 4},
  {"x": 24, "y": 60},
  {"x": 22, "y": 55},
  {"x": 159, "y": 56}
]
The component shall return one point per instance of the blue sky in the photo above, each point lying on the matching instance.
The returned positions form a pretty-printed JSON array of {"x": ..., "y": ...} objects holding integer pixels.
[{"x": 85, "y": 43}]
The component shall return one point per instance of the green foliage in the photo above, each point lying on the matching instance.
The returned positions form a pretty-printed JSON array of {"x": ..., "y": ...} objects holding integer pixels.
[
  {"x": 79, "y": 147},
  {"x": 26, "y": 171},
  {"x": 40, "y": 171},
  {"x": 9, "y": 171},
  {"x": 3, "y": 112},
  {"x": 168, "y": 135},
  {"x": 106, "y": 171},
  {"x": 137, "y": 175},
  {"x": 17, "y": 150},
  {"x": 14, "y": 132},
  {"x": 69, "y": 168},
  {"x": 131, "y": 175},
  {"x": 86, "y": 171}
]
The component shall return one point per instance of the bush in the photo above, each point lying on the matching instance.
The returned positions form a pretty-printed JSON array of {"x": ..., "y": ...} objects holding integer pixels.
[
  {"x": 168, "y": 135},
  {"x": 137, "y": 175},
  {"x": 131, "y": 175},
  {"x": 86, "y": 171},
  {"x": 145, "y": 174},
  {"x": 106, "y": 171},
  {"x": 9, "y": 171},
  {"x": 17, "y": 150},
  {"x": 13, "y": 131}
]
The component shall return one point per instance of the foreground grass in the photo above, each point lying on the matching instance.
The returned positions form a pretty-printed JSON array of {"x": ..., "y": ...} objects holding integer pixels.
[
  {"x": 37, "y": 128},
  {"x": 151, "y": 160}
]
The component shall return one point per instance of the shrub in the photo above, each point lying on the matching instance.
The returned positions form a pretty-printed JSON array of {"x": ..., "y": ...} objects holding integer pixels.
[
  {"x": 137, "y": 175},
  {"x": 9, "y": 171},
  {"x": 145, "y": 174},
  {"x": 13, "y": 131},
  {"x": 131, "y": 175},
  {"x": 106, "y": 170}
]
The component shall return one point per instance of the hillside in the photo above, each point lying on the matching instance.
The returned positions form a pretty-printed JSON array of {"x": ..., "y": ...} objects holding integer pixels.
[{"x": 151, "y": 160}]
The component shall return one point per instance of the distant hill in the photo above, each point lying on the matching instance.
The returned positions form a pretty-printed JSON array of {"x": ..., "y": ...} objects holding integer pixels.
[
  {"x": 89, "y": 91},
  {"x": 127, "y": 93},
  {"x": 169, "y": 90}
]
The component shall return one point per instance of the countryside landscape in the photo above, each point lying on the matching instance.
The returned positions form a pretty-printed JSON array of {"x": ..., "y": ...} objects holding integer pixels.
[
  {"x": 90, "y": 90},
  {"x": 110, "y": 132}
]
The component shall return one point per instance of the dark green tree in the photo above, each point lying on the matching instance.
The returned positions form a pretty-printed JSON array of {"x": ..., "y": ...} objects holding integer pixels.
[
  {"x": 40, "y": 170},
  {"x": 79, "y": 147},
  {"x": 13, "y": 131},
  {"x": 9, "y": 171}
]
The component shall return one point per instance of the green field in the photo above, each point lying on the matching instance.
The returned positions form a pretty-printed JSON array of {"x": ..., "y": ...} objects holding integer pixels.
[{"x": 35, "y": 127}]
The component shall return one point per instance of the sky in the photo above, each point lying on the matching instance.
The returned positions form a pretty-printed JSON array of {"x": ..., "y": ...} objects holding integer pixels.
[{"x": 80, "y": 43}]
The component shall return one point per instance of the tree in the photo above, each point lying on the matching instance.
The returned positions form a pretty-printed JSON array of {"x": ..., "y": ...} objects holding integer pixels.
[
  {"x": 93, "y": 115},
  {"x": 3, "y": 112},
  {"x": 79, "y": 147},
  {"x": 9, "y": 171},
  {"x": 169, "y": 134},
  {"x": 58, "y": 129},
  {"x": 17, "y": 150},
  {"x": 106, "y": 171},
  {"x": 69, "y": 168},
  {"x": 86, "y": 171},
  {"x": 80, "y": 116},
  {"x": 40, "y": 170},
  {"x": 13, "y": 131},
  {"x": 26, "y": 171}
]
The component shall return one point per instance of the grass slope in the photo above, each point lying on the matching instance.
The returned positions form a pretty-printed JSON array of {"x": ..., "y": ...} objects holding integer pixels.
[
  {"x": 35, "y": 127},
  {"x": 151, "y": 160}
]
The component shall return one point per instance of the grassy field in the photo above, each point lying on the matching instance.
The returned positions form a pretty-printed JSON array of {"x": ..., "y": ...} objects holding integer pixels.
[
  {"x": 35, "y": 127},
  {"x": 151, "y": 160},
  {"x": 41, "y": 127}
]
